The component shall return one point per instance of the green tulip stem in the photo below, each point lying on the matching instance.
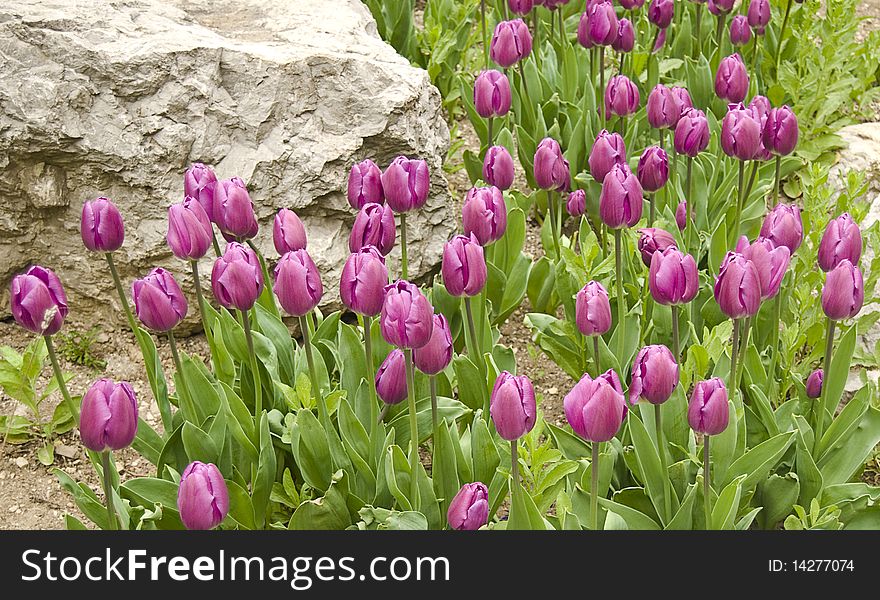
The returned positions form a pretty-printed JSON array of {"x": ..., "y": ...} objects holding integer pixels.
[
  {"x": 371, "y": 371},
  {"x": 719, "y": 38},
  {"x": 214, "y": 243},
  {"x": 689, "y": 203},
  {"x": 823, "y": 398},
  {"x": 739, "y": 199},
  {"x": 323, "y": 415},
  {"x": 621, "y": 302},
  {"x": 561, "y": 31},
  {"x": 551, "y": 214},
  {"x": 413, "y": 430},
  {"x": 432, "y": 381},
  {"x": 600, "y": 97},
  {"x": 489, "y": 124},
  {"x": 698, "y": 37},
  {"x": 661, "y": 450},
  {"x": 596, "y": 354},
  {"x": 200, "y": 296},
  {"x": 651, "y": 209},
  {"x": 403, "y": 258},
  {"x": 676, "y": 348},
  {"x": 774, "y": 345},
  {"x": 620, "y": 67},
  {"x": 707, "y": 482},
  {"x": 255, "y": 371},
  {"x": 121, "y": 291},
  {"x": 525, "y": 100},
  {"x": 782, "y": 36},
  {"x": 183, "y": 396},
  {"x": 594, "y": 487},
  {"x": 744, "y": 344},
  {"x": 776, "y": 185},
  {"x": 734, "y": 352},
  {"x": 485, "y": 37},
  {"x": 384, "y": 413},
  {"x": 515, "y": 487},
  {"x": 107, "y": 480},
  {"x": 59, "y": 377},
  {"x": 755, "y": 59}
]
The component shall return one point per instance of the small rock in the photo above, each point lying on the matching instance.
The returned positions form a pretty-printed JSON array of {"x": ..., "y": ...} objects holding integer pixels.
[
  {"x": 66, "y": 451},
  {"x": 13, "y": 508},
  {"x": 553, "y": 391},
  {"x": 21, "y": 462}
]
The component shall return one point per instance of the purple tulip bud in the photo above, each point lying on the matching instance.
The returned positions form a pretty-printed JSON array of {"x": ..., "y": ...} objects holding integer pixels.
[
  {"x": 732, "y": 79},
  {"x": 37, "y": 301},
  {"x": 521, "y": 7},
  {"x": 740, "y": 32},
  {"x": 738, "y": 287},
  {"x": 842, "y": 240},
  {"x": 631, "y": 4},
  {"x": 654, "y": 375},
  {"x": 109, "y": 416},
  {"x": 202, "y": 499},
  {"x": 663, "y": 108},
  {"x": 298, "y": 284},
  {"x": 673, "y": 277},
  {"x": 373, "y": 226},
  {"x": 492, "y": 94},
  {"x": 363, "y": 280},
  {"x": 814, "y": 383},
  {"x": 199, "y": 182},
  {"x": 783, "y": 226},
  {"x": 391, "y": 385},
  {"x": 681, "y": 215},
  {"x": 684, "y": 98},
  {"x": 621, "y": 96},
  {"x": 708, "y": 411},
  {"x": 691, "y": 133},
  {"x": 234, "y": 210},
  {"x": 759, "y": 15},
  {"x": 406, "y": 183},
  {"x": 781, "y": 131},
  {"x": 158, "y": 301},
  {"x": 189, "y": 230},
  {"x": 770, "y": 260},
  {"x": 760, "y": 105},
  {"x": 552, "y": 171},
  {"x": 101, "y": 226},
  {"x": 512, "y": 406},
  {"x": 740, "y": 133},
  {"x": 577, "y": 203},
  {"x": 364, "y": 186},
  {"x": 484, "y": 214},
  {"x": 498, "y": 168},
  {"x": 511, "y": 42},
  {"x": 626, "y": 36},
  {"x": 237, "y": 277},
  {"x": 661, "y": 41},
  {"x": 595, "y": 407},
  {"x": 603, "y": 24},
  {"x": 844, "y": 291},
  {"x": 469, "y": 510},
  {"x": 653, "y": 169},
  {"x": 652, "y": 240},
  {"x": 620, "y": 202},
  {"x": 464, "y": 268},
  {"x": 288, "y": 232},
  {"x": 407, "y": 316},
  {"x": 660, "y": 13},
  {"x": 720, "y": 7},
  {"x": 592, "y": 309},
  {"x": 583, "y": 31},
  {"x": 436, "y": 355},
  {"x": 608, "y": 150}
]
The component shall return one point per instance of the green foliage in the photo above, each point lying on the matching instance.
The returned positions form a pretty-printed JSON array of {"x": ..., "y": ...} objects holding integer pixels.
[{"x": 78, "y": 348}]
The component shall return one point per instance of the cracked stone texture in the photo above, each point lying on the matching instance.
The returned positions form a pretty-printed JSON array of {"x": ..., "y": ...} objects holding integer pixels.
[{"x": 119, "y": 101}]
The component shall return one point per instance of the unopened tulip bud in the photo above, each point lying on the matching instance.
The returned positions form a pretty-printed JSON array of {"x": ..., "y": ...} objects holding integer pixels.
[
  {"x": 521, "y": 7},
  {"x": 288, "y": 232},
  {"x": 463, "y": 268},
  {"x": 759, "y": 15},
  {"x": 436, "y": 355},
  {"x": 740, "y": 32},
  {"x": 512, "y": 406},
  {"x": 842, "y": 240},
  {"x": 781, "y": 131},
  {"x": 732, "y": 79},
  {"x": 189, "y": 230},
  {"x": 498, "y": 167},
  {"x": 740, "y": 133},
  {"x": 844, "y": 291},
  {"x": 608, "y": 150},
  {"x": 407, "y": 316},
  {"x": 577, "y": 203},
  {"x": 661, "y": 12},
  {"x": 814, "y": 383},
  {"x": 202, "y": 498},
  {"x": 684, "y": 98},
  {"x": 654, "y": 375},
  {"x": 406, "y": 184},
  {"x": 720, "y": 7},
  {"x": 391, "y": 385},
  {"x": 681, "y": 215},
  {"x": 738, "y": 287},
  {"x": 673, "y": 277},
  {"x": 237, "y": 277},
  {"x": 593, "y": 309},
  {"x": 691, "y": 133},
  {"x": 583, "y": 31},
  {"x": 469, "y": 510},
  {"x": 653, "y": 168},
  {"x": 363, "y": 280},
  {"x": 234, "y": 210},
  {"x": 621, "y": 96},
  {"x": 651, "y": 240},
  {"x": 158, "y": 300},
  {"x": 783, "y": 226},
  {"x": 663, "y": 108},
  {"x": 364, "y": 186},
  {"x": 484, "y": 214},
  {"x": 770, "y": 260},
  {"x": 298, "y": 284},
  {"x": 661, "y": 41},
  {"x": 37, "y": 301},
  {"x": 620, "y": 202},
  {"x": 199, "y": 182},
  {"x": 492, "y": 95},
  {"x": 373, "y": 226},
  {"x": 101, "y": 226},
  {"x": 708, "y": 410},
  {"x": 552, "y": 171},
  {"x": 630, "y": 4},
  {"x": 603, "y": 24},
  {"x": 511, "y": 42},
  {"x": 109, "y": 416},
  {"x": 626, "y": 36},
  {"x": 595, "y": 407}
]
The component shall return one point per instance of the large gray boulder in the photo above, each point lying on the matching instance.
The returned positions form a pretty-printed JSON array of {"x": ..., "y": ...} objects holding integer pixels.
[{"x": 117, "y": 99}]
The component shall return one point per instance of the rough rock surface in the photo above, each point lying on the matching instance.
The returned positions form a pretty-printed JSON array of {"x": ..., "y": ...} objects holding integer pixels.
[{"x": 119, "y": 101}]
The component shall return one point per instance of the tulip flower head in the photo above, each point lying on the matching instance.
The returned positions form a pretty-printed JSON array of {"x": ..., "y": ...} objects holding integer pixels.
[
  {"x": 732, "y": 79},
  {"x": 844, "y": 291},
  {"x": 664, "y": 107},
  {"x": 436, "y": 355},
  {"x": 552, "y": 171},
  {"x": 407, "y": 316},
  {"x": 373, "y": 226},
  {"x": 593, "y": 309},
  {"x": 691, "y": 133},
  {"x": 759, "y": 15},
  {"x": 842, "y": 240},
  {"x": 654, "y": 375},
  {"x": 583, "y": 30},
  {"x": 653, "y": 239},
  {"x": 738, "y": 287},
  {"x": 740, "y": 133},
  {"x": 512, "y": 406},
  {"x": 681, "y": 215},
  {"x": 406, "y": 184},
  {"x": 620, "y": 202},
  {"x": 814, "y": 383},
  {"x": 298, "y": 284},
  {"x": 469, "y": 509},
  {"x": 626, "y": 36},
  {"x": 781, "y": 131},
  {"x": 492, "y": 95},
  {"x": 740, "y": 31},
  {"x": 783, "y": 226},
  {"x": 621, "y": 96},
  {"x": 770, "y": 260},
  {"x": 109, "y": 416},
  {"x": 391, "y": 385},
  {"x": 101, "y": 226},
  {"x": 608, "y": 150},
  {"x": 158, "y": 301},
  {"x": 464, "y": 267},
  {"x": 653, "y": 168},
  {"x": 234, "y": 210},
  {"x": 237, "y": 277},
  {"x": 288, "y": 232},
  {"x": 577, "y": 203},
  {"x": 189, "y": 230},
  {"x": 498, "y": 167},
  {"x": 595, "y": 407},
  {"x": 511, "y": 43},
  {"x": 363, "y": 280},
  {"x": 684, "y": 98},
  {"x": 202, "y": 498},
  {"x": 708, "y": 410},
  {"x": 672, "y": 277},
  {"x": 364, "y": 186},
  {"x": 37, "y": 301},
  {"x": 660, "y": 12},
  {"x": 603, "y": 24},
  {"x": 521, "y": 7},
  {"x": 199, "y": 182},
  {"x": 484, "y": 214}
]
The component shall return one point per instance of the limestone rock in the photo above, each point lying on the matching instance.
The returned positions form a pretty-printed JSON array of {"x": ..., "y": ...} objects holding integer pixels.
[{"x": 119, "y": 101}]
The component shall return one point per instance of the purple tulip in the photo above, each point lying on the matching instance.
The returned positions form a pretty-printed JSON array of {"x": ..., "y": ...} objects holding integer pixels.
[
  {"x": 608, "y": 150},
  {"x": 498, "y": 168},
  {"x": 732, "y": 79},
  {"x": 511, "y": 42},
  {"x": 842, "y": 240},
  {"x": 513, "y": 406},
  {"x": 844, "y": 291},
  {"x": 363, "y": 280},
  {"x": 199, "y": 182},
  {"x": 626, "y": 36},
  {"x": 37, "y": 301},
  {"x": 632, "y": 4},
  {"x": 583, "y": 31},
  {"x": 202, "y": 498},
  {"x": 101, "y": 226},
  {"x": 814, "y": 383},
  {"x": 520, "y": 7},
  {"x": 673, "y": 277},
  {"x": 469, "y": 510},
  {"x": 621, "y": 96},
  {"x": 364, "y": 186},
  {"x": 740, "y": 133},
  {"x": 189, "y": 230},
  {"x": 298, "y": 284},
  {"x": 681, "y": 215},
  {"x": 653, "y": 168},
  {"x": 760, "y": 105},
  {"x": 484, "y": 214},
  {"x": 109, "y": 416},
  {"x": 158, "y": 301},
  {"x": 781, "y": 131},
  {"x": 691, "y": 133},
  {"x": 654, "y": 375},
  {"x": 620, "y": 202},
  {"x": 592, "y": 309},
  {"x": 652, "y": 240},
  {"x": 373, "y": 226},
  {"x": 391, "y": 385},
  {"x": 234, "y": 210},
  {"x": 237, "y": 277},
  {"x": 660, "y": 13},
  {"x": 708, "y": 410},
  {"x": 721, "y": 7},
  {"x": 684, "y": 99},
  {"x": 288, "y": 232},
  {"x": 740, "y": 32},
  {"x": 738, "y": 287},
  {"x": 783, "y": 226},
  {"x": 436, "y": 355},
  {"x": 406, "y": 184},
  {"x": 407, "y": 316},
  {"x": 595, "y": 407},
  {"x": 759, "y": 15},
  {"x": 552, "y": 171},
  {"x": 603, "y": 24},
  {"x": 577, "y": 203},
  {"x": 663, "y": 108},
  {"x": 661, "y": 41},
  {"x": 770, "y": 260},
  {"x": 464, "y": 268},
  {"x": 492, "y": 95}
]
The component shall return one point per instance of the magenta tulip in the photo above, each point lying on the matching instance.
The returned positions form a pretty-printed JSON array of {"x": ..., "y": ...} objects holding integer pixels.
[
  {"x": 109, "y": 416},
  {"x": 608, "y": 150},
  {"x": 654, "y": 375},
  {"x": 363, "y": 280},
  {"x": 552, "y": 171},
  {"x": 653, "y": 168},
  {"x": 469, "y": 509},
  {"x": 463, "y": 268},
  {"x": 407, "y": 316},
  {"x": 37, "y": 301},
  {"x": 373, "y": 226},
  {"x": 391, "y": 385},
  {"x": 577, "y": 203},
  {"x": 158, "y": 300},
  {"x": 202, "y": 498},
  {"x": 511, "y": 42},
  {"x": 492, "y": 96},
  {"x": 484, "y": 214},
  {"x": 498, "y": 167},
  {"x": 406, "y": 184},
  {"x": 691, "y": 133},
  {"x": 620, "y": 202},
  {"x": 783, "y": 226},
  {"x": 621, "y": 96},
  {"x": 237, "y": 277},
  {"x": 593, "y": 309},
  {"x": 595, "y": 407},
  {"x": 738, "y": 287},
  {"x": 364, "y": 186},
  {"x": 288, "y": 232},
  {"x": 651, "y": 240},
  {"x": 298, "y": 284},
  {"x": 512, "y": 406},
  {"x": 708, "y": 410},
  {"x": 844, "y": 291},
  {"x": 101, "y": 226},
  {"x": 199, "y": 183},
  {"x": 234, "y": 210},
  {"x": 189, "y": 230},
  {"x": 663, "y": 108},
  {"x": 842, "y": 240},
  {"x": 436, "y": 355},
  {"x": 673, "y": 277}
]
